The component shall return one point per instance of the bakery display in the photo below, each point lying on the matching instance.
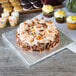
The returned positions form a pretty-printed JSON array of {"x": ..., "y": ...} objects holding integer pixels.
[
  {"x": 60, "y": 16},
  {"x": 23, "y": 6},
  {"x": 37, "y": 35},
  {"x": 30, "y": 4},
  {"x": 2, "y": 22},
  {"x": 47, "y": 10},
  {"x": 71, "y": 22},
  {"x": 11, "y": 5},
  {"x": 12, "y": 20}
]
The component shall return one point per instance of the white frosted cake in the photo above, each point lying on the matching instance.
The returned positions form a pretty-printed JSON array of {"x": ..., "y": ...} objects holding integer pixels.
[{"x": 37, "y": 35}]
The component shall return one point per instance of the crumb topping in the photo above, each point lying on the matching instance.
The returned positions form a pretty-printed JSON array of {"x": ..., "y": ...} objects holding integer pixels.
[{"x": 35, "y": 30}]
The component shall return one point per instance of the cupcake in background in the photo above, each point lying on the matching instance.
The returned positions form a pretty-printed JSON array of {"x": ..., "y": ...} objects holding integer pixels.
[
  {"x": 12, "y": 21},
  {"x": 17, "y": 8},
  {"x": 48, "y": 10},
  {"x": 2, "y": 22},
  {"x": 6, "y": 4},
  {"x": 71, "y": 22},
  {"x": 12, "y": 1},
  {"x": 15, "y": 3},
  {"x": 7, "y": 9},
  {"x": 60, "y": 16},
  {"x": 2, "y": 1},
  {"x": 5, "y": 15},
  {"x": 16, "y": 14}
]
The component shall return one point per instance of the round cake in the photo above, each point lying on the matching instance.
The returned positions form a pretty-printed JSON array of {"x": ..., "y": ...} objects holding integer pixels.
[{"x": 37, "y": 35}]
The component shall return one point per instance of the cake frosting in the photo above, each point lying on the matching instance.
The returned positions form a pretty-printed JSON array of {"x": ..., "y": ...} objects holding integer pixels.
[
  {"x": 5, "y": 15},
  {"x": 15, "y": 14},
  {"x": 12, "y": 18},
  {"x": 2, "y": 20},
  {"x": 35, "y": 31},
  {"x": 71, "y": 19},
  {"x": 60, "y": 14},
  {"x": 47, "y": 8}
]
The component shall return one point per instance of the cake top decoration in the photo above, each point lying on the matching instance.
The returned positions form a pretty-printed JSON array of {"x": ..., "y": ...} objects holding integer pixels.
[{"x": 47, "y": 8}]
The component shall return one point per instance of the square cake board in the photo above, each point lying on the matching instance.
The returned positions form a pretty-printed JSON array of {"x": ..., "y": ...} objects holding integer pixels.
[{"x": 32, "y": 58}]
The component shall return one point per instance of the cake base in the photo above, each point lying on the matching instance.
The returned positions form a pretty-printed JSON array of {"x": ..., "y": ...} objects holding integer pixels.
[
  {"x": 31, "y": 58},
  {"x": 40, "y": 47}
]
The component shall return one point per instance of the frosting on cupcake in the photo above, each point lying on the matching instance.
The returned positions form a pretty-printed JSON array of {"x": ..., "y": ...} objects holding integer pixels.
[
  {"x": 47, "y": 8},
  {"x": 7, "y": 9},
  {"x": 15, "y": 14},
  {"x": 71, "y": 19},
  {"x": 5, "y": 15},
  {"x": 60, "y": 14},
  {"x": 2, "y": 20},
  {"x": 12, "y": 18}
]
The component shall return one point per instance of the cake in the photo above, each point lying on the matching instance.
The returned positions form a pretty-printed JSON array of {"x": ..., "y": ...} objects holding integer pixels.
[
  {"x": 60, "y": 16},
  {"x": 13, "y": 21},
  {"x": 17, "y": 8},
  {"x": 2, "y": 22},
  {"x": 16, "y": 3},
  {"x": 71, "y": 22},
  {"x": 5, "y": 15},
  {"x": 16, "y": 14},
  {"x": 37, "y": 35},
  {"x": 12, "y": 1},
  {"x": 7, "y": 9},
  {"x": 1, "y": 1},
  {"x": 48, "y": 10},
  {"x": 6, "y": 4}
]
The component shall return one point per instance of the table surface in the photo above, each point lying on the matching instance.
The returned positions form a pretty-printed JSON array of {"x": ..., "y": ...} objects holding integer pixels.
[{"x": 60, "y": 64}]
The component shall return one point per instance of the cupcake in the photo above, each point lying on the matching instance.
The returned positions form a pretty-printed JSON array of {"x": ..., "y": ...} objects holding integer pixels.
[
  {"x": 47, "y": 10},
  {"x": 12, "y": 21},
  {"x": 7, "y": 9},
  {"x": 60, "y": 16},
  {"x": 71, "y": 22},
  {"x": 16, "y": 14},
  {"x": 2, "y": 22},
  {"x": 12, "y": 1},
  {"x": 17, "y": 8},
  {"x": 1, "y": 1},
  {"x": 6, "y": 4},
  {"x": 5, "y": 15},
  {"x": 15, "y": 3}
]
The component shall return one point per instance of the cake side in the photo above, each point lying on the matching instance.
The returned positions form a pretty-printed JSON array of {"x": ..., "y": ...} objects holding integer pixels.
[{"x": 37, "y": 35}]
